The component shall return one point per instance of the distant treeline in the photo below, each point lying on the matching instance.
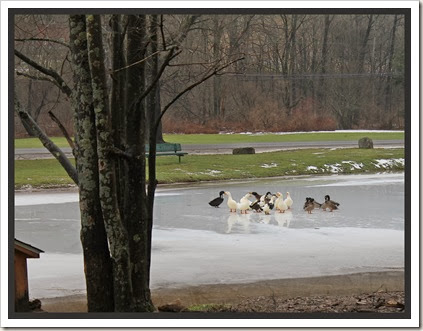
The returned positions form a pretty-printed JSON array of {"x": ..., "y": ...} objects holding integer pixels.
[{"x": 298, "y": 72}]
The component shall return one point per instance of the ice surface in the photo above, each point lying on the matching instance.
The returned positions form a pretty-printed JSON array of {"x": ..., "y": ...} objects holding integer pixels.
[{"x": 194, "y": 243}]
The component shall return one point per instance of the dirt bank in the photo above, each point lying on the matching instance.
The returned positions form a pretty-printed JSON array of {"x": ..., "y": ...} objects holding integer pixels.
[{"x": 338, "y": 288}]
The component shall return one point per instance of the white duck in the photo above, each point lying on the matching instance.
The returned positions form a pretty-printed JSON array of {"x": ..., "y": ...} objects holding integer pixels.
[
  {"x": 288, "y": 200},
  {"x": 280, "y": 203},
  {"x": 232, "y": 204},
  {"x": 244, "y": 203},
  {"x": 278, "y": 195}
]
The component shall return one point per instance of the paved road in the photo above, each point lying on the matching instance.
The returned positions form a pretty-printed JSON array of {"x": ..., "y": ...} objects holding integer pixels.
[{"x": 28, "y": 153}]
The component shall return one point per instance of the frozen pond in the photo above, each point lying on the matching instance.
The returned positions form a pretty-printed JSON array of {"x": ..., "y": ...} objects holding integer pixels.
[{"x": 194, "y": 243}]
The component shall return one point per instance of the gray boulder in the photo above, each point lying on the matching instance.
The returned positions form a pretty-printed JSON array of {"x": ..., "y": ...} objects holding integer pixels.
[
  {"x": 365, "y": 143},
  {"x": 244, "y": 150}
]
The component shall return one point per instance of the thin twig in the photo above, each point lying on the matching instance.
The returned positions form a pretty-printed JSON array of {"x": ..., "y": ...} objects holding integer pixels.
[
  {"x": 135, "y": 63},
  {"x": 19, "y": 73},
  {"x": 44, "y": 39},
  {"x": 64, "y": 131}
]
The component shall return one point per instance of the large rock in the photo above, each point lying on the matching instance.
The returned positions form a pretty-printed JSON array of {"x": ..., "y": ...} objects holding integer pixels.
[
  {"x": 365, "y": 143},
  {"x": 244, "y": 150}
]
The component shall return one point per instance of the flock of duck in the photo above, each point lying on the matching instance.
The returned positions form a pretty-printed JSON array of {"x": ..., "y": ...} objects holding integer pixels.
[{"x": 267, "y": 202}]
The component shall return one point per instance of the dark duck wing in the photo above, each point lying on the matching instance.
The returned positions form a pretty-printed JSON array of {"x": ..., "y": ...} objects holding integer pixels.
[
  {"x": 256, "y": 206},
  {"x": 217, "y": 202},
  {"x": 256, "y": 195},
  {"x": 332, "y": 205}
]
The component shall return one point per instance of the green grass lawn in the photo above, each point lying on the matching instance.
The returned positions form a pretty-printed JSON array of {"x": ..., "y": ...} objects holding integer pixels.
[
  {"x": 268, "y": 137},
  {"x": 48, "y": 172},
  {"x": 240, "y": 138},
  {"x": 37, "y": 173}
]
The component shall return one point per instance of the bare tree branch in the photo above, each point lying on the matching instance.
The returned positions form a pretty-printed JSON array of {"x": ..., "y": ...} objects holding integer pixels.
[
  {"x": 162, "y": 32},
  {"x": 168, "y": 58},
  {"x": 135, "y": 63},
  {"x": 214, "y": 72},
  {"x": 172, "y": 53},
  {"x": 46, "y": 141},
  {"x": 44, "y": 39},
  {"x": 64, "y": 131},
  {"x": 47, "y": 79},
  {"x": 49, "y": 72}
]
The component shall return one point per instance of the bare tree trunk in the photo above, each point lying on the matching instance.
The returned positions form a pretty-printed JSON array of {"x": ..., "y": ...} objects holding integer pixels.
[
  {"x": 388, "y": 88},
  {"x": 154, "y": 96},
  {"x": 135, "y": 195},
  {"x": 116, "y": 232},
  {"x": 364, "y": 42},
  {"x": 97, "y": 262},
  {"x": 117, "y": 100},
  {"x": 293, "y": 63},
  {"x": 321, "y": 94},
  {"x": 152, "y": 109},
  {"x": 217, "y": 91}
]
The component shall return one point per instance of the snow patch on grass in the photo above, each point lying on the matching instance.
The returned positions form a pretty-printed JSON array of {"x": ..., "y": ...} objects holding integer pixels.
[
  {"x": 312, "y": 168},
  {"x": 389, "y": 163},
  {"x": 271, "y": 165},
  {"x": 333, "y": 168},
  {"x": 207, "y": 172},
  {"x": 210, "y": 172},
  {"x": 354, "y": 165}
]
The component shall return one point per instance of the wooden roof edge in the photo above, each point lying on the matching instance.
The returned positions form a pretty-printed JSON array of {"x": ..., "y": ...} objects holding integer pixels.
[{"x": 28, "y": 246}]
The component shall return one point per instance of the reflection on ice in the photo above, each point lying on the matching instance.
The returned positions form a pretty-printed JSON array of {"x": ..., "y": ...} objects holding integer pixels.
[
  {"x": 241, "y": 221},
  {"x": 284, "y": 219},
  {"x": 194, "y": 243}
]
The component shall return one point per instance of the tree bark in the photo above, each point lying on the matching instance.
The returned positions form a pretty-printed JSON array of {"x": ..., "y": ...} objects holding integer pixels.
[
  {"x": 97, "y": 262},
  {"x": 388, "y": 88},
  {"x": 118, "y": 99},
  {"x": 135, "y": 197},
  {"x": 321, "y": 95},
  {"x": 153, "y": 112},
  {"x": 217, "y": 91},
  {"x": 116, "y": 232}
]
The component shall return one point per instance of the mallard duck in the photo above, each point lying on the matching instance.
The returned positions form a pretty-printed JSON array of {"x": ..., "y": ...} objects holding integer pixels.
[
  {"x": 329, "y": 204},
  {"x": 310, "y": 204},
  {"x": 280, "y": 203},
  {"x": 288, "y": 200},
  {"x": 218, "y": 201},
  {"x": 232, "y": 204}
]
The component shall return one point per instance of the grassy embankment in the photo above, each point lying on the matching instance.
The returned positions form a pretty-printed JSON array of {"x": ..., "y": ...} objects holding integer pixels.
[
  {"x": 241, "y": 138},
  {"x": 48, "y": 172}
]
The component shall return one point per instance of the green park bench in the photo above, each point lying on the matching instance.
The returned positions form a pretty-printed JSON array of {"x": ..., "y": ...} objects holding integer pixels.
[{"x": 167, "y": 149}]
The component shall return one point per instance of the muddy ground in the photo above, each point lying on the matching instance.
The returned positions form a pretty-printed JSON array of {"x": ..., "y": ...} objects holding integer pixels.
[{"x": 381, "y": 292}]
